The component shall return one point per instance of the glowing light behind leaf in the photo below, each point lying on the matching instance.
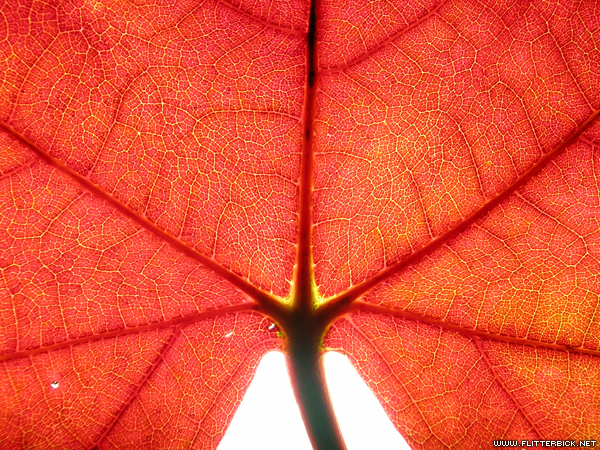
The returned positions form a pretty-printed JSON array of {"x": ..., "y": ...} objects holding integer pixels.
[{"x": 269, "y": 413}]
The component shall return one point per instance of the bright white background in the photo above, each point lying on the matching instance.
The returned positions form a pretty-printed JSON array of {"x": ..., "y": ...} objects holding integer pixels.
[{"x": 268, "y": 416}]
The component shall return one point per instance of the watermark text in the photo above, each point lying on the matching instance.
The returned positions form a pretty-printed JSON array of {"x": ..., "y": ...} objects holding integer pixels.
[{"x": 546, "y": 443}]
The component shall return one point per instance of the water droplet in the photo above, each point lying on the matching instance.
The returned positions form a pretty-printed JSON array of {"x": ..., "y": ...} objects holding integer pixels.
[
  {"x": 272, "y": 327},
  {"x": 229, "y": 334},
  {"x": 54, "y": 384}
]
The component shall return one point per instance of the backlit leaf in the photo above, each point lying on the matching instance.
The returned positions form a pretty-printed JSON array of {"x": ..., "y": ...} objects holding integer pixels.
[{"x": 175, "y": 177}]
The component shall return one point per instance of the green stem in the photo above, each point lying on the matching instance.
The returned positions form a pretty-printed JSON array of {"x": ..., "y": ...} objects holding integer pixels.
[{"x": 305, "y": 366}]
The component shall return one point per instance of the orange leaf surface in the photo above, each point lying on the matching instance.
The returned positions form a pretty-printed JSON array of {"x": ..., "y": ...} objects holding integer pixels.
[{"x": 415, "y": 184}]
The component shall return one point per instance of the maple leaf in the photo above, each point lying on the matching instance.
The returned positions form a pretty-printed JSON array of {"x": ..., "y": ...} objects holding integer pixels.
[{"x": 413, "y": 183}]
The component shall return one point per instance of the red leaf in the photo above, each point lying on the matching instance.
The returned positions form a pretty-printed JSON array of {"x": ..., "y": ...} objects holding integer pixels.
[{"x": 176, "y": 177}]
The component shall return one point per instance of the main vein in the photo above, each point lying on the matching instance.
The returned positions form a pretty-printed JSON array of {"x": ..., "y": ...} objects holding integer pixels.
[{"x": 303, "y": 292}]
